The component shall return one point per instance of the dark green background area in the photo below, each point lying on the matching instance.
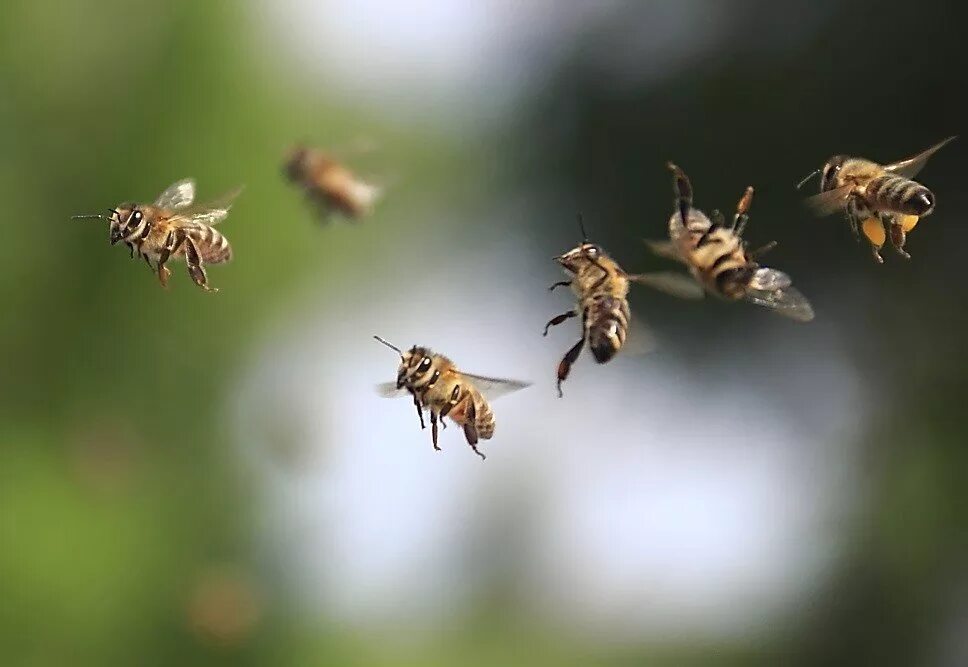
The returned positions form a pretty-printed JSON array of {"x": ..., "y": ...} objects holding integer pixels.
[{"x": 118, "y": 489}]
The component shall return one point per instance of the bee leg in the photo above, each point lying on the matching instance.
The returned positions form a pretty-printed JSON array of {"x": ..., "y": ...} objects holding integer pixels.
[
  {"x": 898, "y": 238},
  {"x": 873, "y": 228},
  {"x": 195, "y": 268},
  {"x": 433, "y": 429},
  {"x": 563, "y": 283},
  {"x": 470, "y": 430},
  {"x": 565, "y": 366},
  {"x": 555, "y": 321},
  {"x": 170, "y": 246},
  {"x": 416, "y": 403}
]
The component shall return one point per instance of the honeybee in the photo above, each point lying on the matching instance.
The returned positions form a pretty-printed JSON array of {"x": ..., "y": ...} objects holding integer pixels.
[
  {"x": 716, "y": 255},
  {"x": 601, "y": 287},
  {"x": 875, "y": 196},
  {"x": 172, "y": 227},
  {"x": 331, "y": 185},
  {"x": 435, "y": 383}
]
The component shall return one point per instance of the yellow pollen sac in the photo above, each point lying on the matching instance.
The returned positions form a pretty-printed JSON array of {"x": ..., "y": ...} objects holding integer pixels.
[
  {"x": 908, "y": 222},
  {"x": 874, "y": 231}
]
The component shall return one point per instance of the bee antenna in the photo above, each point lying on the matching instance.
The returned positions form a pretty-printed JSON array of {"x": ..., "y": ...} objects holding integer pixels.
[
  {"x": 581, "y": 228},
  {"x": 392, "y": 347},
  {"x": 87, "y": 216},
  {"x": 808, "y": 177}
]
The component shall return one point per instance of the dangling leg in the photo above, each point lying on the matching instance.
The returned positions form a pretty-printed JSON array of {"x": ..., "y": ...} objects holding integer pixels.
[
  {"x": 874, "y": 231},
  {"x": 433, "y": 429},
  {"x": 416, "y": 402},
  {"x": 564, "y": 367},
  {"x": 683, "y": 189},
  {"x": 195, "y": 268},
  {"x": 563, "y": 283},
  {"x": 555, "y": 321},
  {"x": 470, "y": 430},
  {"x": 899, "y": 234},
  {"x": 171, "y": 245}
]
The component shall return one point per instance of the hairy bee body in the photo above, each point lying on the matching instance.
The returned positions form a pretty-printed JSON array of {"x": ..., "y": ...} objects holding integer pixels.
[
  {"x": 332, "y": 186},
  {"x": 172, "y": 228},
  {"x": 875, "y": 196},
  {"x": 435, "y": 383},
  {"x": 716, "y": 257}
]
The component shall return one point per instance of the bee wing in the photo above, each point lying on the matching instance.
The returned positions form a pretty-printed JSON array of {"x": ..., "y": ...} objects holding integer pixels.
[
  {"x": 828, "y": 202},
  {"x": 213, "y": 212},
  {"x": 768, "y": 280},
  {"x": 676, "y": 284},
  {"x": 390, "y": 390},
  {"x": 786, "y": 301},
  {"x": 664, "y": 249},
  {"x": 910, "y": 167},
  {"x": 493, "y": 388},
  {"x": 178, "y": 195}
]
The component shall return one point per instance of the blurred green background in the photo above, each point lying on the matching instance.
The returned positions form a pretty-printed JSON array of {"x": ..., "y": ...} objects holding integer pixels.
[{"x": 132, "y": 530}]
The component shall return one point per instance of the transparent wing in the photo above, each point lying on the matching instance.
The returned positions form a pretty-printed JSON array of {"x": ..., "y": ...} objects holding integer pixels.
[
  {"x": 389, "y": 390},
  {"x": 679, "y": 285},
  {"x": 640, "y": 340},
  {"x": 787, "y": 301},
  {"x": 910, "y": 167},
  {"x": 493, "y": 388},
  {"x": 665, "y": 249},
  {"x": 178, "y": 195},
  {"x": 213, "y": 212},
  {"x": 828, "y": 202},
  {"x": 768, "y": 280}
]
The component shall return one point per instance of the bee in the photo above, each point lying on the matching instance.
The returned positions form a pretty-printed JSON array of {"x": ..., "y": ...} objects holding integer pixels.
[
  {"x": 172, "y": 227},
  {"x": 332, "y": 186},
  {"x": 716, "y": 255},
  {"x": 875, "y": 196},
  {"x": 601, "y": 287},
  {"x": 435, "y": 383}
]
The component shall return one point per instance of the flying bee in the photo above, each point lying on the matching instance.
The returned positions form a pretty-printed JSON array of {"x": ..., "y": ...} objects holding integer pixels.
[
  {"x": 875, "y": 196},
  {"x": 435, "y": 383},
  {"x": 172, "y": 227},
  {"x": 332, "y": 186},
  {"x": 716, "y": 255},
  {"x": 601, "y": 287}
]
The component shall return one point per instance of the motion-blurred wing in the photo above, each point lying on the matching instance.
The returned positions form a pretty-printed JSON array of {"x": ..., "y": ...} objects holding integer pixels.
[
  {"x": 178, "y": 195},
  {"x": 665, "y": 249},
  {"x": 213, "y": 212},
  {"x": 390, "y": 390},
  {"x": 493, "y": 388},
  {"x": 910, "y": 167},
  {"x": 787, "y": 301},
  {"x": 673, "y": 283},
  {"x": 768, "y": 280},
  {"x": 828, "y": 202}
]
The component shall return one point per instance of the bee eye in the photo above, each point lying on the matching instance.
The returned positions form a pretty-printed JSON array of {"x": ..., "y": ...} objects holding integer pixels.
[
  {"x": 137, "y": 216},
  {"x": 424, "y": 365}
]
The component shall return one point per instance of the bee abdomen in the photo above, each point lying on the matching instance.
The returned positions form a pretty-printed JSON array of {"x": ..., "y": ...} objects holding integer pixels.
[
  {"x": 607, "y": 323},
  {"x": 732, "y": 283},
  {"x": 485, "y": 420},
  {"x": 212, "y": 245},
  {"x": 896, "y": 194}
]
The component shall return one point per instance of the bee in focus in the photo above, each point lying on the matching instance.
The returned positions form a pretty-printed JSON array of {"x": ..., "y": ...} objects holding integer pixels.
[
  {"x": 716, "y": 255},
  {"x": 876, "y": 196},
  {"x": 172, "y": 227},
  {"x": 601, "y": 287},
  {"x": 435, "y": 383},
  {"x": 329, "y": 184}
]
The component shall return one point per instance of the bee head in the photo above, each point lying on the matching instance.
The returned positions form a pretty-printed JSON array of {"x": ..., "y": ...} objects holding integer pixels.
[
  {"x": 828, "y": 178},
  {"x": 124, "y": 220},
  {"x": 295, "y": 159},
  {"x": 579, "y": 256},
  {"x": 413, "y": 363}
]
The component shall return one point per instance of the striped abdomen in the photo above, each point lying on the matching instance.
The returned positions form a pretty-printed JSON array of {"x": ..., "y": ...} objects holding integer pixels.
[
  {"x": 890, "y": 193},
  {"x": 606, "y": 325},
  {"x": 719, "y": 261},
  {"x": 212, "y": 244}
]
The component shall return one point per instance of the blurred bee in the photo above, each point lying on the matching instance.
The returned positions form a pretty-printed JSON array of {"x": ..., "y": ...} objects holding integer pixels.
[
  {"x": 173, "y": 228},
  {"x": 602, "y": 287},
  {"x": 875, "y": 196},
  {"x": 333, "y": 187},
  {"x": 718, "y": 259},
  {"x": 435, "y": 383}
]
